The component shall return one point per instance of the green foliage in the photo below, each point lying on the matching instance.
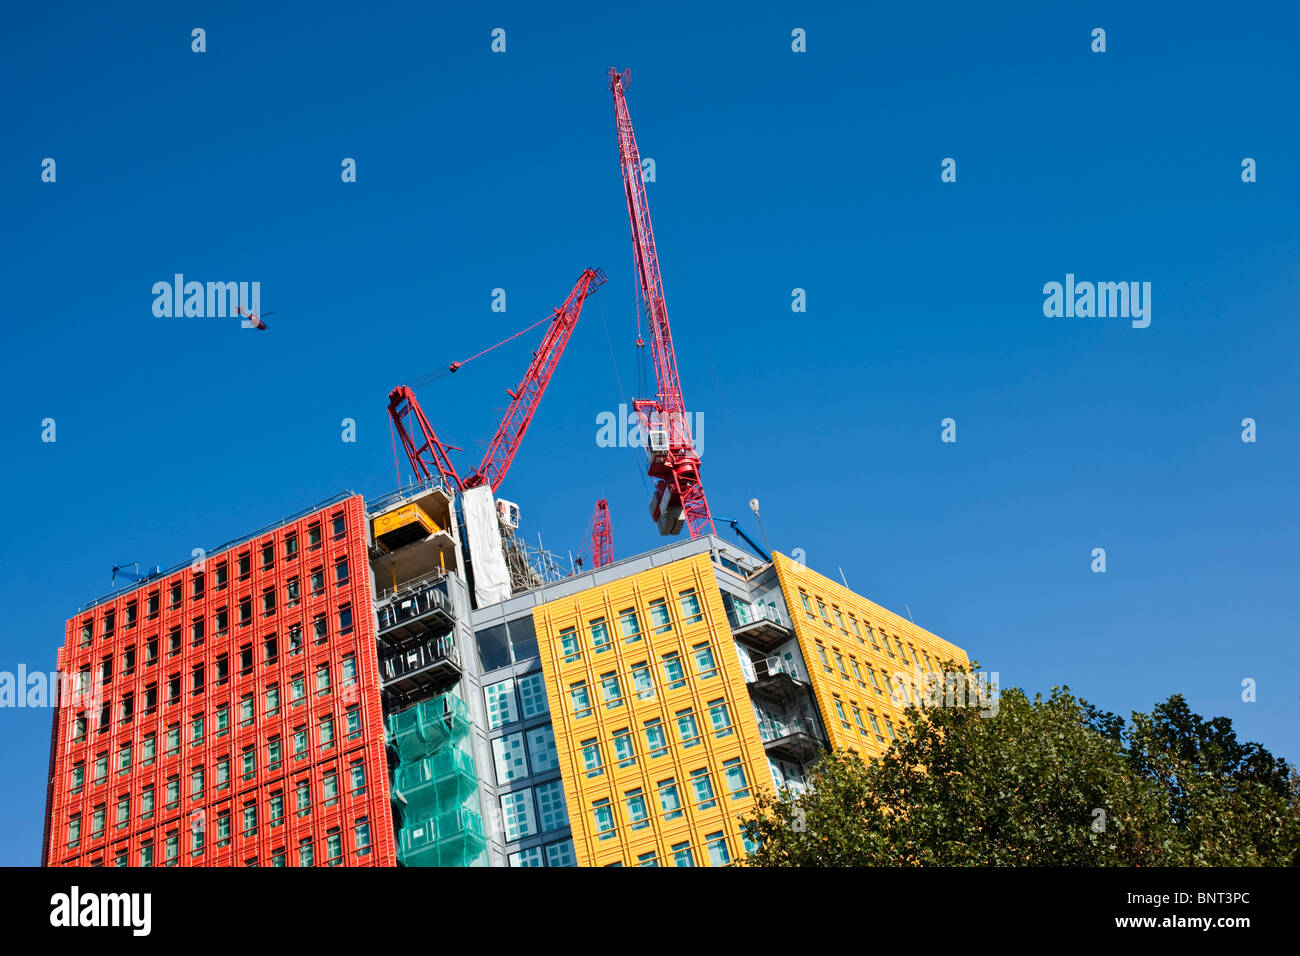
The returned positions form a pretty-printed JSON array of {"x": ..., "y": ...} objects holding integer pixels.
[{"x": 1046, "y": 782}]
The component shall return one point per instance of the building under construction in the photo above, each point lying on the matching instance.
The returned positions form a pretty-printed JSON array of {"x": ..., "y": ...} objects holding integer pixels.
[{"x": 404, "y": 680}]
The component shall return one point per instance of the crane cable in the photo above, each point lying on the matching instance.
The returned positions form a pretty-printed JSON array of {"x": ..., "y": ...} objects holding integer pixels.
[{"x": 455, "y": 366}]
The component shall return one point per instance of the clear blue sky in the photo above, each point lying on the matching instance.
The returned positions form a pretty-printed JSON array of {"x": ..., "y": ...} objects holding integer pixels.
[{"x": 775, "y": 170}]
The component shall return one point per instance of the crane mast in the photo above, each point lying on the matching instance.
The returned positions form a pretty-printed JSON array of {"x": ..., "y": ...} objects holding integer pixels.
[
  {"x": 674, "y": 461},
  {"x": 602, "y": 536}
]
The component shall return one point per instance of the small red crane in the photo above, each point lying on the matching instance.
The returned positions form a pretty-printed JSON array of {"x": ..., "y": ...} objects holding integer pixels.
[
  {"x": 602, "y": 536},
  {"x": 673, "y": 459}
]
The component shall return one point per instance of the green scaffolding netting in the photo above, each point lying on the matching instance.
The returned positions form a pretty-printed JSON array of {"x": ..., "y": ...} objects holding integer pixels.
[{"x": 437, "y": 783}]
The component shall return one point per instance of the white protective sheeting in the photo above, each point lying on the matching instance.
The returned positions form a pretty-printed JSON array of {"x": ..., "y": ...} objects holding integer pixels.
[{"x": 491, "y": 578}]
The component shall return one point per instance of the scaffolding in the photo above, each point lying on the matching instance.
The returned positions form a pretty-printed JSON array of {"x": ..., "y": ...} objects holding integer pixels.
[{"x": 435, "y": 785}]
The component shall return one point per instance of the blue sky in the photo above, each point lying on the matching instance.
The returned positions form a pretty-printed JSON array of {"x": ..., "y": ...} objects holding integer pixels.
[{"x": 775, "y": 171}]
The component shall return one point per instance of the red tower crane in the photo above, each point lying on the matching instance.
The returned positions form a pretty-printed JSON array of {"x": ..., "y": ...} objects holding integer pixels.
[
  {"x": 673, "y": 459},
  {"x": 432, "y": 453},
  {"x": 602, "y": 536}
]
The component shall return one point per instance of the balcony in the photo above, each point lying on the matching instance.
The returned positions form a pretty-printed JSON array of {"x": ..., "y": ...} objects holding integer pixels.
[
  {"x": 419, "y": 670},
  {"x": 415, "y": 612},
  {"x": 776, "y": 679},
  {"x": 763, "y": 626},
  {"x": 793, "y": 738}
]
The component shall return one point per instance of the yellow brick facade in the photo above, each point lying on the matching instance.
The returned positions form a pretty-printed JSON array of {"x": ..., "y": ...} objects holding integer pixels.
[
  {"x": 854, "y": 649},
  {"x": 680, "y": 615}
]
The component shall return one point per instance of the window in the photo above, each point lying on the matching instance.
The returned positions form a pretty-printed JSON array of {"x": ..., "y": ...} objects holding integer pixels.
[
  {"x": 871, "y": 674},
  {"x": 659, "y": 617},
  {"x": 529, "y": 857},
  {"x": 716, "y": 846},
  {"x": 223, "y": 773},
  {"x": 223, "y": 828},
  {"x": 197, "y": 583},
  {"x": 196, "y": 675},
  {"x": 250, "y": 819},
  {"x": 720, "y": 718},
  {"x": 326, "y": 729},
  {"x": 339, "y": 526},
  {"x": 569, "y": 645},
  {"x": 703, "y": 787},
  {"x": 591, "y": 758},
  {"x": 821, "y": 655},
  {"x": 146, "y": 855},
  {"x": 682, "y": 855},
  {"x": 295, "y": 639},
  {"x": 687, "y": 730},
  {"x": 604, "y": 816},
  {"x": 734, "y": 774},
  {"x": 276, "y": 803},
  {"x": 857, "y": 718},
  {"x": 889, "y": 725},
  {"x": 636, "y": 811},
  {"x": 674, "y": 672},
  {"x": 532, "y": 695},
  {"x": 78, "y": 776},
  {"x": 561, "y": 854},
  {"x": 299, "y": 742},
  {"x": 196, "y": 731},
  {"x": 669, "y": 802},
  {"x": 357, "y": 778},
  {"x": 318, "y": 581},
  {"x": 246, "y": 710},
  {"x": 500, "y": 699},
  {"x": 624, "y": 752},
  {"x": 690, "y": 604},
  {"x": 291, "y": 545},
  {"x": 196, "y": 783},
  {"x": 875, "y": 725},
  {"x": 541, "y": 748},
  {"x": 901, "y": 651},
  {"x": 330, "y": 787},
  {"x": 172, "y": 793},
  {"x": 642, "y": 682},
  {"x": 352, "y": 721},
  {"x": 857, "y": 672},
  {"x": 245, "y": 611},
  {"x": 361, "y": 837},
  {"x": 313, "y": 536},
  {"x": 349, "y": 670},
  {"x": 511, "y": 757},
  {"x": 322, "y": 679},
  {"x": 656, "y": 738},
  {"x": 839, "y": 712},
  {"x": 611, "y": 691},
  {"x": 803, "y": 598},
  {"x": 599, "y": 635},
  {"x": 146, "y": 803},
  {"x": 268, "y": 556},
  {"x": 517, "y": 814},
  {"x": 341, "y": 571},
  {"x": 839, "y": 663},
  {"x": 273, "y": 754},
  {"x": 302, "y": 797},
  {"x": 704, "y": 664},
  {"x": 648, "y": 859},
  {"x": 270, "y": 649},
  {"x": 272, "y": 700},
  {"x": 124, "y": 758},
  {"x": 128, "y": 660},
  {"x": 297, "y": 689},
  {"x": 581, "y": 699},
  {"x": 304, "y": 852},
  {"x": 551, "y": 807},
  {"x": 629, "y": 625},
  {"x": 248, "y": 762}
]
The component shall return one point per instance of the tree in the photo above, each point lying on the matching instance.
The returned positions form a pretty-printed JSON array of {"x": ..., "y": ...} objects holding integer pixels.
[{"x": 1046, "y": 782}]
